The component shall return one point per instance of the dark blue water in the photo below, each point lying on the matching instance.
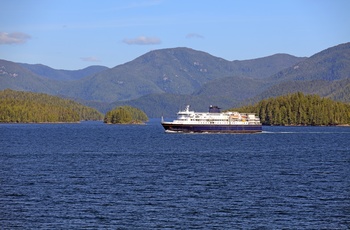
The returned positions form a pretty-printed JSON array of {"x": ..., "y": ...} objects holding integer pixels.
[{"x": 92, "y": 175}]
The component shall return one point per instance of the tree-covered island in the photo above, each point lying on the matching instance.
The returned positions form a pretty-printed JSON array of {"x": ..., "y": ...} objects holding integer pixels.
[
  {"x": 299, "y": 109},
  {"x": 291, "y": 109},
  {"x": 28, "y": 107},
  {"x": 125, "y": 115}
]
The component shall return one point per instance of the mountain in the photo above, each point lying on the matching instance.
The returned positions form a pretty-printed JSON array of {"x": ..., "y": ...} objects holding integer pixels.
[
  {"x": 332, "y": 82},
  {"x": 14, "y": 76},
  {"x": 163, "y": 81},
  {"x": 265, "y": 67},
  {"x": 237, "y": 88},
  {"x": 326, "y": 73},
  {"x": 63, "y": 75},
  {"x": 330, "y": 64},
  {"x": 40, "y": 78},
  {"x": 175, "y": 71}
]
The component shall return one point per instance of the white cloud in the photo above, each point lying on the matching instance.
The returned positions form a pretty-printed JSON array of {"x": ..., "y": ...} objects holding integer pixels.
[
  {"x": 13, "y": 38},
  {"x": 142, "y": 40},
  {"x": 90, "y": 59},
  {"x": 194, "y": 35}
]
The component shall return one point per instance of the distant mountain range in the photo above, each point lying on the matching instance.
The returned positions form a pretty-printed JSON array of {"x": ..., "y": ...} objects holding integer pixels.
[
  {"x": 162, "y": 81},
  {"x": 63, "y": 75}
]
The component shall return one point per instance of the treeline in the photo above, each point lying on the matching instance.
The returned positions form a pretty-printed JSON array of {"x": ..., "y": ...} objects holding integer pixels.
[
  {"x": 125, "y": 115},
  {"x": 28, "y": 107},
  {"x": 300, "y": 109}
]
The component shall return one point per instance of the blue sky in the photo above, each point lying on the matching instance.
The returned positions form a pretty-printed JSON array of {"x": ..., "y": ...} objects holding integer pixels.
[{"x": 73, "y": 34}]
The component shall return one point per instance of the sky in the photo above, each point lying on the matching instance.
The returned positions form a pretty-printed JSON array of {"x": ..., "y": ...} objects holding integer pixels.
[{"x": 74, "y": 34}]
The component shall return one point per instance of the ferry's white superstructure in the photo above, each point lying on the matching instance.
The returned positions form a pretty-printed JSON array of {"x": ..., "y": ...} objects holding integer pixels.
[{"x": 213, "y": 121}]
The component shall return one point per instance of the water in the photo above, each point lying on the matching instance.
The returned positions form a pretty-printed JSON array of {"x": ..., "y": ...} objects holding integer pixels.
[{"x": 92, "y": 175}]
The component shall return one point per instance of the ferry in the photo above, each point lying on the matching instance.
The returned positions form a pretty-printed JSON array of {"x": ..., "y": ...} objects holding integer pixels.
[{"x": 213, "y": 121}]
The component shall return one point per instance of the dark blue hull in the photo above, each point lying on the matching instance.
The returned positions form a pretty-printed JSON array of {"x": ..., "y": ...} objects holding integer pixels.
[{"x": 212, "y": 128}]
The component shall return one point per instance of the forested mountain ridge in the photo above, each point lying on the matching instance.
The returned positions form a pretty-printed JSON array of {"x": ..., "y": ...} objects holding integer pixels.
[
  {"x": 174, "y": 71},
  {"x": 330, "y": 65},
  {"x": 326, "y": 73},
  {"x": 28, "y": 107},
  {"x": 180, "y": 71}
]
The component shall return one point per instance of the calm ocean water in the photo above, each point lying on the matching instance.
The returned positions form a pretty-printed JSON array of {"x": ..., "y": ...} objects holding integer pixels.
[{"x": 92, "y": 175}]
